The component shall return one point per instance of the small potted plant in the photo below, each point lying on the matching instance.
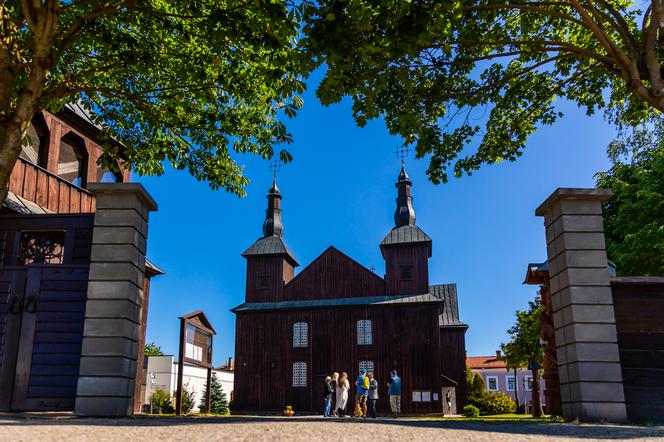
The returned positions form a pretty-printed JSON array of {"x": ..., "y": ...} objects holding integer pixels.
[{"x": 289, "y": 411}]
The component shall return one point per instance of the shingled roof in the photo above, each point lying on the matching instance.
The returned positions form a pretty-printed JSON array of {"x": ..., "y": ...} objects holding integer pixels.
[
  {"x": 336, "y": 302},
  {"x": 405, "y": 235},
  {"x": 271, "y": 245},
  {"x": 448, "y": 294},
  {"x": 441, "y": 293}
]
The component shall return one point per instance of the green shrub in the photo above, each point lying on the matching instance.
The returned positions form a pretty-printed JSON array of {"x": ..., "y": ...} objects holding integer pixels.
[
  {"x": 471, "y": 411},
  {"x": 160, "y": 402},
  {"x": 499, "y": 403},
  {"x": 490, "y": 403},
  {"x": 188, "y": 397}
]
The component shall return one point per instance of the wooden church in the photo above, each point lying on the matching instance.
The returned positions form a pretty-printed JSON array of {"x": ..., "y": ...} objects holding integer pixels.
[{"x": 336, "y": 315}]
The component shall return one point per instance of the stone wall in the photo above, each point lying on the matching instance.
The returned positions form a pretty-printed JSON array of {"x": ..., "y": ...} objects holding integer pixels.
[
  {"x": 106, "y": 384},
  {"x": 585, "y": 332}
]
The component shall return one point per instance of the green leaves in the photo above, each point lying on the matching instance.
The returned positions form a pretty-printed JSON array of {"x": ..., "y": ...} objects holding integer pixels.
[
  {"x": 524, "y": 346},
  {"x": 196, "y": 84},
  {"x": 467, "y": 82},
  {"x": 634, "y": 216}
]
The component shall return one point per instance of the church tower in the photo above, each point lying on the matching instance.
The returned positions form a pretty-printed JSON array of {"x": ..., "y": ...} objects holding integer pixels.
[
  {"x": 270, "y": 263},
  {"x": 406, "y": 248}
]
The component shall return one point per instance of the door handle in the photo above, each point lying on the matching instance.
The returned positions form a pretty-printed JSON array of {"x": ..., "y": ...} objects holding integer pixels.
[
  {"x": 16, "y": 305},
  {"x": 31, "y": 305}
]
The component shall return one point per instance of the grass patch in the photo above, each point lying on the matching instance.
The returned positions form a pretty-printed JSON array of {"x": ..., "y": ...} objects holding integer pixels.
[{"x": 525, "y": 418}]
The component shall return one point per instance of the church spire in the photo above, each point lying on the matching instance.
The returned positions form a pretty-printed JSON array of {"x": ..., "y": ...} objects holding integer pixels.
[
  {"x": 405, "y": 214},
  {"x": 272, "y": 225}
]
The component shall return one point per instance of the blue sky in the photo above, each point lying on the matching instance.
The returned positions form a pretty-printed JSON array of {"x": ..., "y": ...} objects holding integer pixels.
[{"x": 339, "y": 190}]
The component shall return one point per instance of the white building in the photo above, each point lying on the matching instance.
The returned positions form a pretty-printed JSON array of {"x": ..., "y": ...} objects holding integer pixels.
[{"x": 162, "y": 372}]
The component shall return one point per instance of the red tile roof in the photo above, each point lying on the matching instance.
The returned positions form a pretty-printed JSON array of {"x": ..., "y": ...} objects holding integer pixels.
[{"x": 478, "y": 362}]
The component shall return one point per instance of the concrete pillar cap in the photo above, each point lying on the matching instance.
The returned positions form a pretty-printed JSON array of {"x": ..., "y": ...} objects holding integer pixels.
[
  {"x": 117, "y": 188},
  {"x": 573, "y": 193}
]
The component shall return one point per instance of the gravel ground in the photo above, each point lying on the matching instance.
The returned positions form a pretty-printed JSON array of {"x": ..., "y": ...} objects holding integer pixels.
[{"x": 306, "y": 429}]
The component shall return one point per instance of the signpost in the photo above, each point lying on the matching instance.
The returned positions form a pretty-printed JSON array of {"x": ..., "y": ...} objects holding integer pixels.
[{"x": 196, "y": 334}]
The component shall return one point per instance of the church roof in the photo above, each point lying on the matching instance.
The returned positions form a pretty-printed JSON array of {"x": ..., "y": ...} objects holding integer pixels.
[
  {"x": 336, "y": 302},
  {"x": 441, "y": 293},
  {"x": 271, "y": 245},
  {"x": 448, "y": 294},
  {"x": 410, "y": 234}
]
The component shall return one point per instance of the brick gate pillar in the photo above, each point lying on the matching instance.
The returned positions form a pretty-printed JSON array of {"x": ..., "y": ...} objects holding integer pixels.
[
  {"x": 585, "y": 331},
  {"x": 111, "y": 335}
]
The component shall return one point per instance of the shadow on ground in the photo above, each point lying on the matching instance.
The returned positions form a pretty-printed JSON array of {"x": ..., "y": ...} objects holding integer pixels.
[{"x": 559, "y": 430}]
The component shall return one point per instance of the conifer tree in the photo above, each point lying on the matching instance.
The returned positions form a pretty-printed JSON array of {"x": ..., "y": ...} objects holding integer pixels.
[{"x": 217, "y": 398}]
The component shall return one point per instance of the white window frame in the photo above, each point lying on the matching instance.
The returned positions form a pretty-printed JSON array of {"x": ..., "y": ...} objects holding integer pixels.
[
  {"x": 507, "y": 382},
  {"x": 299, "y": 374},
  {"x": 529, "y": 383},
  {"x": 488, "y": 383},
  {"x": 364, "y": 329},
  {"x": 300, "y": 335},
  {"x": 369, "y": 366}
]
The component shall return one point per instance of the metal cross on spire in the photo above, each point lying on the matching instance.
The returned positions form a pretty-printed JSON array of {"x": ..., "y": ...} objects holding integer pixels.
[
  {"x": 274, "y": 166},
  {"x": 402, "y": 153}
]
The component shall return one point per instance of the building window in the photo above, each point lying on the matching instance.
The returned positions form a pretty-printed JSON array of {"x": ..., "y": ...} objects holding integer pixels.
[
  {"x": 299, "y": 374},
  {"x": 364, "y": 333},
  {"x": 492, "y": 383},
  {"x": 41, "y": 248},
  {"x": 300, "y": 334},
  {"x": 263, "y": 283},
  {"x": 406, "y": 273},
  {"x": 34, "y": 149},
  {"x": 511, "y": 383},
  {"x": 367, "y": 365},
  {"x": 72, "y": 160},
  {"x": 529, "y": 383},
  {"x": 106, "y": 175}
]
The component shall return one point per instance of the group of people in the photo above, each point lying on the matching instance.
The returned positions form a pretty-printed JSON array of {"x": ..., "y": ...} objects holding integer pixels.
[{"x": 336, "y": 392}]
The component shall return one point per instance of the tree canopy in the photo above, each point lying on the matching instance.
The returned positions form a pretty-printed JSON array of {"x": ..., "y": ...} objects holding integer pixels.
[
  {"x": 634, "y": 216},
  {"x": 152, "y": 349},
  {"x": 524, "y": 348},
  {"x": 466, "y": 82},
  {"x": 185, "y": 82}
]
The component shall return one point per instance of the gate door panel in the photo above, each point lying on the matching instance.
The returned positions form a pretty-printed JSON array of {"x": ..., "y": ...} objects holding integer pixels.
[
  {"x": 12, "y": 284},
  {"x": 51, "y": 337}
]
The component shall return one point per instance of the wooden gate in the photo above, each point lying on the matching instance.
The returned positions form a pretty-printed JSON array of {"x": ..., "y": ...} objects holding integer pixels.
[{"x": 42, "y": 310}]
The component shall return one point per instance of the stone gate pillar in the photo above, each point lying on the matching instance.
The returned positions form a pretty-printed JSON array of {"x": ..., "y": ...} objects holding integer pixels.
[
  {"x": 106, "y": 382},
  {"x": 585, "y": 332}
]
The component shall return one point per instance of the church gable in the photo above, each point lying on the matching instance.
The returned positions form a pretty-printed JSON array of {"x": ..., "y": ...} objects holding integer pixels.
[{"x": 334, "y": 275}]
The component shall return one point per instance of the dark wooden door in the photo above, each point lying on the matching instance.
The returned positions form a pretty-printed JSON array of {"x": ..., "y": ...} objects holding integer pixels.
[
  {"x": 40, "y": 370},
  {"x": 12, "y": 285}
]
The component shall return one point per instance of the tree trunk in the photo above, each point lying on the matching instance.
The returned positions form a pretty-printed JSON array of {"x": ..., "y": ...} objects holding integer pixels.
[
  {"x": 516, "y": 389},
  {"x": 535, "y": 401},
  {"x": 10, "y": 149}
]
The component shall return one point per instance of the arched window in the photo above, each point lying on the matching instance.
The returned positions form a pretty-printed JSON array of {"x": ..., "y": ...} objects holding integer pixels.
[
  {"x": 364, "y": 333},
  {"x": 72, "y": 161},
  {"x": 300, "y": 334},
  {"x": 106, "y": 175},
  {"x": 299, "y": 374},
  {"x": 36, "y": 150}
]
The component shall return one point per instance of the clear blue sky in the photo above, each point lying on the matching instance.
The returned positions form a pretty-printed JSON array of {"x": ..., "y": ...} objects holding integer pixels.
[{"x": 340, "y": 191}]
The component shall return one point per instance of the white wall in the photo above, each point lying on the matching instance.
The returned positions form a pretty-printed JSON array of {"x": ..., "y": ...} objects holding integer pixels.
[{"x": 162, "y": 372}]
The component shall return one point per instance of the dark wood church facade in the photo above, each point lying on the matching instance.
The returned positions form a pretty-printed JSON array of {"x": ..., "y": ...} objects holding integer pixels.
[{"x": 336, "y": 315}]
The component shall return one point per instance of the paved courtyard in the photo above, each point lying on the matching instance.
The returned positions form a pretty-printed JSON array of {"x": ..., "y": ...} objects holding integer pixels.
[{"x": 306, "y": 429}]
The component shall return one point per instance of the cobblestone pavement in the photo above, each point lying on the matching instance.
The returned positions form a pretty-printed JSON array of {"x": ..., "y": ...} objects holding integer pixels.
[{"x": 308, "y": 429}]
